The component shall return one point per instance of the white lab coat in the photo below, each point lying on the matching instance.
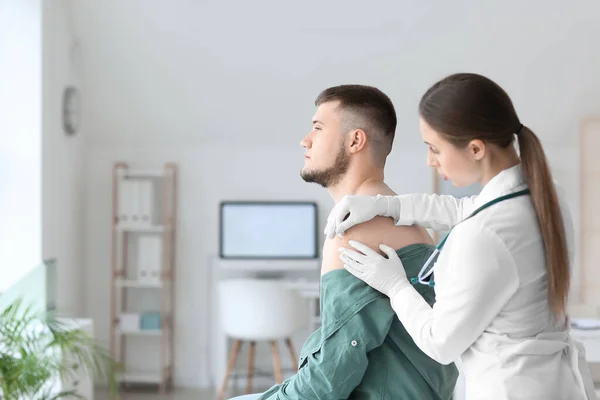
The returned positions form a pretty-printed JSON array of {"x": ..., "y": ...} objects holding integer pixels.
[{"x": 491, "y": 307}]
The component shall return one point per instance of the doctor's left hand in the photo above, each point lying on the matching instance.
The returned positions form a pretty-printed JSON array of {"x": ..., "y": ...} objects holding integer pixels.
[{"x": 386, "y": 275}]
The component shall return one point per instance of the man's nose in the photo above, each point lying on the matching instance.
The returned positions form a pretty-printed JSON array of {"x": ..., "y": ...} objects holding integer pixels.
[{"x": 305, "y": 142}]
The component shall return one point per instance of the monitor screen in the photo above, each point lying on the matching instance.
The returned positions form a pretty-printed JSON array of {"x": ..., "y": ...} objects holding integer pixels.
[{"x": 266, "y": 230}]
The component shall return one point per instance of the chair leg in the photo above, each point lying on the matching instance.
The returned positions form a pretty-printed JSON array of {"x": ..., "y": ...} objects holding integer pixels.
[
  {"x": 290, "y": 346},
  {"x": 276, "y": 363},
  {"x": 232, "y": 358},
  {"x": 250, "y": 368}
]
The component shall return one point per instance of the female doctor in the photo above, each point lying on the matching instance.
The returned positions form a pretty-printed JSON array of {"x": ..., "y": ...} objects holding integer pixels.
[{"x": 502, "y": 278}]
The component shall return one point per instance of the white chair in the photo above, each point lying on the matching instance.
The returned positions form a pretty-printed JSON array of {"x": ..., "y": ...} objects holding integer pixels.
[{"x": 254, "y": 310}]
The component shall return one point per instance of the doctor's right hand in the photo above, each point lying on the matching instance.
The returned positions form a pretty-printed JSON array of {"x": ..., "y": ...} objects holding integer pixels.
[{"x": 353, "y": 210}]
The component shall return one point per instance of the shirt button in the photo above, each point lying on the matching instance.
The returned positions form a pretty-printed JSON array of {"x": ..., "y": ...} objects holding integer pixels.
[{"x": 354, "y": 343}]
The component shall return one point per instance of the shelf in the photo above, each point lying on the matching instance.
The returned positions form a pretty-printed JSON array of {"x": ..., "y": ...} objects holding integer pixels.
[
  {"x": 143, "y": 173},
  {"x": 140, "y": 377},
  {"x": 131, "y": 283},
  {"x": 141, "y": 228},
  {"x": 141, "y": 332}
]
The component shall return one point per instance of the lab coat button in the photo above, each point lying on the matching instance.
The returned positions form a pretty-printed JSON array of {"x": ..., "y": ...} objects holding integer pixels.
[{"x": 354, "y": 343}]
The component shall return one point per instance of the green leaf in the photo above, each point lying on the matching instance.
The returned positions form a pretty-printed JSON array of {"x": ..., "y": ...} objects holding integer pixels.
[{"x": 33, "y": 348}]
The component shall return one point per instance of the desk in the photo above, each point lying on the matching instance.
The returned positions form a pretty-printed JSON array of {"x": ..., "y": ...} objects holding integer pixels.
[
  {"x": 311, "y": 291},
  {"x": 591, "y": 341}
]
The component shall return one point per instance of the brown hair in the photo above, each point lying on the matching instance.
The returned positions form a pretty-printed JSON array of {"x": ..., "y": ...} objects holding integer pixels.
[
  {"x": 463, "y": 107},
  {"x": 371, "y": 110}
]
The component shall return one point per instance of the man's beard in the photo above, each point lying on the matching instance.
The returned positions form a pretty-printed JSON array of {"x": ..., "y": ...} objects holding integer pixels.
[{"x": 330, "y": 176}]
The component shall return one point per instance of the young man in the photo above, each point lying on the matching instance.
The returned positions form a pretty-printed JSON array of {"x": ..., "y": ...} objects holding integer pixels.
[{"x": 361, "y": 350}]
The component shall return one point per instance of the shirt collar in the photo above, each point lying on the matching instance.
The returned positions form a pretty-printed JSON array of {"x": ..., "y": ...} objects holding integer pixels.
[{"x": 507, "y": 181}]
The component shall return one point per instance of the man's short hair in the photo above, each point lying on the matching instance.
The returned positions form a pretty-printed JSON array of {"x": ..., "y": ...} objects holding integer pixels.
[{"x": 367, "y": 108}]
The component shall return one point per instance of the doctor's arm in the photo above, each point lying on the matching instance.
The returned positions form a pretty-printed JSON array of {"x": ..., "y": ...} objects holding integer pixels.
[
  {"x": 432, "y": 211},
  {"x": 479, "y": 278}
]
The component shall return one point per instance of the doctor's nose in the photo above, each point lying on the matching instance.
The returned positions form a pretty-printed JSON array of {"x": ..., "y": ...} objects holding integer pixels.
[{"x": 430, "y": 161}]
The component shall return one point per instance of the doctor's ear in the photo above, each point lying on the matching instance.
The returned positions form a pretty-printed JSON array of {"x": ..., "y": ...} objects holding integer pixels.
[{"x": 477, "y": 149}]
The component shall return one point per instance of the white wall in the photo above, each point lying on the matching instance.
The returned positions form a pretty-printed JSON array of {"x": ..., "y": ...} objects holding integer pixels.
[
  {"x": 227, "y": 92},
  {"x": 20, "y": 134},
  {"x": 63, "y": 162}
]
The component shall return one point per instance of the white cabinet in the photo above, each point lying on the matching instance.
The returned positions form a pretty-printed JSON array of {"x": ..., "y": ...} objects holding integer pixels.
[
  {"x": 79, "y": 380},
  {"x": 591, "y": 341}
]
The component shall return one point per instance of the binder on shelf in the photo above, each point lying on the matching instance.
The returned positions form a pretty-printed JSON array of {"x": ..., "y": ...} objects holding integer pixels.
[
  {"x": 149, "y": 259},
  {"x": 145, "y": 200},
  {"x": 134, "y": 201},
  {"x": 124, "y": 215},
  {"x": 129, "y": 207}
]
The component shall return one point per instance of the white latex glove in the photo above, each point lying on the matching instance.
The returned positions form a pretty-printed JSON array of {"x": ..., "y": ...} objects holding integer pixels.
[
  {"x": 360, "y": 209},
  {"x": 385, "y": 275}
]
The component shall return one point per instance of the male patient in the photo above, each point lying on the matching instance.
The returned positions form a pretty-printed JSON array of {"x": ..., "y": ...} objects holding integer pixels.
[{"x": 361, "y": 351}]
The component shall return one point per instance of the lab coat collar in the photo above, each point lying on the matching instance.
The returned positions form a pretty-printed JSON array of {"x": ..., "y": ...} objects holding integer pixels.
[{"x": 507, "y": 181}]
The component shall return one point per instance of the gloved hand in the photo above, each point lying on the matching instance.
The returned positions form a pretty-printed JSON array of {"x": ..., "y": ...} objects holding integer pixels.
[
  {"x": 361, "y": 209},
  {"x": 386, "y": 275}
]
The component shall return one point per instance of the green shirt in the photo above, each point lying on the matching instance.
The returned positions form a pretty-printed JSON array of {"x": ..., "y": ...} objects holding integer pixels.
[{"x": 362, "y": 351}]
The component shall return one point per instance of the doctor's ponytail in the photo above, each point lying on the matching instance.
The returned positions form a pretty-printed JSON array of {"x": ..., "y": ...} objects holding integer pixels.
[
  {"x": 464, "y": 107},
  {"x": 547, "y": 208}
]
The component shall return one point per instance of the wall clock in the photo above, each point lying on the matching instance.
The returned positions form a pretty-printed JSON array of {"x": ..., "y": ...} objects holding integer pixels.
[{"x": 71, "y": 110}]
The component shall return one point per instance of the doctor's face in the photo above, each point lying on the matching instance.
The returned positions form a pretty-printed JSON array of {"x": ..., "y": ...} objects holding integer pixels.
[
  {"x": 451, "y": 162},
  {"x": 326, "y": 160}
]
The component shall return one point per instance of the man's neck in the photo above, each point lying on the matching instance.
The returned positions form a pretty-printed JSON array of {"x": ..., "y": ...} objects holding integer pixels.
[{"x": 353, "y": 182}]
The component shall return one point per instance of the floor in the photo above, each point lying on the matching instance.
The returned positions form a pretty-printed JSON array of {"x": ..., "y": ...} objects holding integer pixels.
[
  {"x": 178, "y": 394},
  {"x": 151, "y": 395},
  {"x": 174, "y": 395}
]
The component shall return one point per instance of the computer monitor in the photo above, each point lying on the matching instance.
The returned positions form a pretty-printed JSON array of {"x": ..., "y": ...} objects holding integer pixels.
[{"x": 268, "y": 230}]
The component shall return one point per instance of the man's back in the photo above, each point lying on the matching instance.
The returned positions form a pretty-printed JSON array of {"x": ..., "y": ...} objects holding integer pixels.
[{"x": 361, "y": 350}]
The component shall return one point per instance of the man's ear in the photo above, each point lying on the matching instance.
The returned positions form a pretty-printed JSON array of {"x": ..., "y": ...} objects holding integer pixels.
[
  {"x": 477, "y": 149},
  {"x": 358, "y": 140}
]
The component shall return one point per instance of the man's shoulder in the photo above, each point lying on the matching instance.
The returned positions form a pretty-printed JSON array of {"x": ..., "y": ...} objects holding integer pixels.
[
  {"x": 380, "y": 230},
  {"x": 371, "y": 233}
]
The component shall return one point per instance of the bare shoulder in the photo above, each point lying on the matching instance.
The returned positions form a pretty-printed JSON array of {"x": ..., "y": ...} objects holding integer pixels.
[{"x": 380, "y": 230}]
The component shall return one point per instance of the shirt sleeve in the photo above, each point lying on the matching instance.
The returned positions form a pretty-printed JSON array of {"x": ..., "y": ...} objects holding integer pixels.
[
  {"x": 479, "y": 279},
  {"x": 338, "y": 366},
  {"x": 433, "y": 211}
]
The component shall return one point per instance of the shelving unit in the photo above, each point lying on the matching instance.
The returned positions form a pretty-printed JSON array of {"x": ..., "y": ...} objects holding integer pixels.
[{"x": 143, "y": 219}]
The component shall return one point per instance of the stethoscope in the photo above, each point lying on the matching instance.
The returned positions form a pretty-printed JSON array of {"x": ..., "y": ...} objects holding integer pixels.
[{"x": 424, "y": 273}]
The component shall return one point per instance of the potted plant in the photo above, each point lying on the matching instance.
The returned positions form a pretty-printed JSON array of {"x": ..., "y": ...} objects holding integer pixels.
[{"x": 33, "y": 347}]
